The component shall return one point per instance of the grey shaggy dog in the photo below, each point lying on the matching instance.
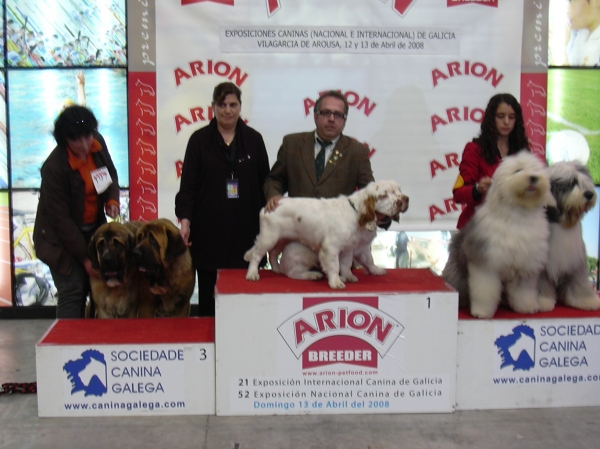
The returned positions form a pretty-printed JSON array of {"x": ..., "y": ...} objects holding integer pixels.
[
  {"x": 566, "y": 275},
  {"x": 504, "y": 248}
]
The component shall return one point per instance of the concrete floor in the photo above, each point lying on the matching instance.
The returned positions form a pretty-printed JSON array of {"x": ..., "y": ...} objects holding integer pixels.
[{"x": 21, "y": 428}]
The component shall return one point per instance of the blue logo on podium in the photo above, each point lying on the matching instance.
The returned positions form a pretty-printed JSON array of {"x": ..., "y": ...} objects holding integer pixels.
[
  {"x": 88, "y": 373},
  {"x": 518, "y": 348}
]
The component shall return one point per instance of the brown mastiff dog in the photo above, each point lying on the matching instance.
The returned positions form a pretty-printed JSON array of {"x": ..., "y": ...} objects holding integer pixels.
[
  {"x": 114, "y": 293},
  {"x": 161, "y": 255}
]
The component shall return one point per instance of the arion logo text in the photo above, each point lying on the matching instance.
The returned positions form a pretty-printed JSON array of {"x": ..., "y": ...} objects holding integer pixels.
[{"x": 340, "y": 330}]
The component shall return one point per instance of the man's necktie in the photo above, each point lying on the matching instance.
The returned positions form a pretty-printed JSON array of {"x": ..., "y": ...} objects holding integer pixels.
[{"x": 320, "y": 160}]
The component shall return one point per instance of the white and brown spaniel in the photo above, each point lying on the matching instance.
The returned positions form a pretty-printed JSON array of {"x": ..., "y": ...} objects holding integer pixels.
[{"x": 338, "y": 229}]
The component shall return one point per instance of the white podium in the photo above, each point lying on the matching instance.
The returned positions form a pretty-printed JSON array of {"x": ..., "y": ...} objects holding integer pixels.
[
  {"x": 386, "y": 344},
  {"x": 127, "y": 367},
  {"x": 529, "y": 361}
]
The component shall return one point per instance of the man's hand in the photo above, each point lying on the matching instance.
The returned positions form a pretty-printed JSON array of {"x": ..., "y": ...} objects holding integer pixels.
[{"x": 272, "y": 203}]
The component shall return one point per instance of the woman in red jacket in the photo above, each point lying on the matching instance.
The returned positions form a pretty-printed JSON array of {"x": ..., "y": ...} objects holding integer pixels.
[{"x": 502, "y": 134}]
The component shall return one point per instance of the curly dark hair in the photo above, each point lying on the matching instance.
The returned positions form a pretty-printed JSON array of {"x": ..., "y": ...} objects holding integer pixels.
[
  {"x": 72, "y": 123},
  {"x": 488, "y": 135}
]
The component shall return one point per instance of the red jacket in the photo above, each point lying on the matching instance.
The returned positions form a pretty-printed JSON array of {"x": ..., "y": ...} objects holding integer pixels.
[{"x": 472, "y": 168}]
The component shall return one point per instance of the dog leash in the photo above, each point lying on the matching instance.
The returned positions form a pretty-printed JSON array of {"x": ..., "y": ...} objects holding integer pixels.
[{"x": 22, "y": 388}]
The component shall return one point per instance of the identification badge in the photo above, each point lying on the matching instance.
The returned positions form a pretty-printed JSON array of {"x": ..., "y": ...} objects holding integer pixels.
[
  {"x": 232, "y": 188},
  {"x": 101, "y": 178}
]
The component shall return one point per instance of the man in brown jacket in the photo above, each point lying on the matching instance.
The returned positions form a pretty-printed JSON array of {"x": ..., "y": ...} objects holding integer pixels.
[{"x": 322, "y": 163}]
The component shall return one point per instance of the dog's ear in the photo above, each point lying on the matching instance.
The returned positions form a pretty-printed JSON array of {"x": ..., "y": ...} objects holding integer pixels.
[
  {"x": 368, "y": 219},
  {"x": 552, "y": 214},
  {"x": 131, "y": 240},
  {"x": 175, "y": 245},
  {"x": 550, "y": 201},
  {"x": 93, "y": 252}
]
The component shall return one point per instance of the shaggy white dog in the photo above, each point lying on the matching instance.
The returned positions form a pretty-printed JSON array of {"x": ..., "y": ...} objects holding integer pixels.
[
  {"x": 504, "y": 248},
  {"x": 566, "y": 274},
  {"x": 331, "y": 226}
]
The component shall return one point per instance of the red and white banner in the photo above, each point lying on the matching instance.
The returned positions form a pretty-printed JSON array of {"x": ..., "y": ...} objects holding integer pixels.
[{"x": 417, "y": 75}]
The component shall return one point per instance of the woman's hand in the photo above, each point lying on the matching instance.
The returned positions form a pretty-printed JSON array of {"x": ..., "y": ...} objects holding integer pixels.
[
  {"x": 483, "y": 185},
  {"x": 112, "y": 210},
  {"x": 184, "y": 231},
  {"x": 87, "y": 264}
]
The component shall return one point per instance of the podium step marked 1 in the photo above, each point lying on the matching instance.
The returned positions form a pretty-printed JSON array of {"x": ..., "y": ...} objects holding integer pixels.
[{"x": 386, "y": 344}]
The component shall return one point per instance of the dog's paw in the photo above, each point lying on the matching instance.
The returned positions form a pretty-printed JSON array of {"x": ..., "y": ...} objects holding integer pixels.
[
  {"x": 336, "y": 284},
  {"x": 252, "y": 276},
  {"x": 349, "y": 278},
  {"x": 302, "y": 274},
  {"x": 546, "y": 304},
  {"x": 483, "y": 311},
  {"x": 527, "y": 308},
  {"x": 524, "y": 300},
  {"x": 484, "y": 315},
  {"x": 591, "y": 302},
  {"x": 377, "y": 271}
]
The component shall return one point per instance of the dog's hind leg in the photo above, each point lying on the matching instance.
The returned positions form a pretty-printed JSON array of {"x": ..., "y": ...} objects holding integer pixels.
[
  {"x": 274, "y": 255},
  {"x": 330, "y": 263},
  {"x": 547, "y": 293},
  {"x": 264, "y": 243},
  {"x": 301, "y": 272},
  {"x": 297, "y": 261},
  {"x": 485, "y": 290},
  {"x": 346, "y": 259},
  {"x": 254, "y": 256},
  {"x": 266, "y": 240},
  {"x": 578, "y": 293},
  {"x": 364, "y": 257},
  {"x": 522, "y": 294}
]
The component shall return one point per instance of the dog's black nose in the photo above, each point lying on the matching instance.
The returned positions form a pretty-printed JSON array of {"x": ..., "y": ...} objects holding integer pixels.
[
  {"x": 109, "y": 258},
  {"x": 588, "y": 195},
  {"x": 533, "y": 179}
]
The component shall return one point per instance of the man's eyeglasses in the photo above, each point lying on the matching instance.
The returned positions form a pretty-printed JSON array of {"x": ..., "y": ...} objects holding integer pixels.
[{"x": 336, "y": 115}]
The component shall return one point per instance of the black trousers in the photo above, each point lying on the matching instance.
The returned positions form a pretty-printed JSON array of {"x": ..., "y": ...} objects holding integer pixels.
[{"x": 206, "y": 292}]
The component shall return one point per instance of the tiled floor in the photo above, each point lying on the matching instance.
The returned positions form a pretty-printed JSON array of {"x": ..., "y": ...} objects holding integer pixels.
[{"x": 21, "y": 428}]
